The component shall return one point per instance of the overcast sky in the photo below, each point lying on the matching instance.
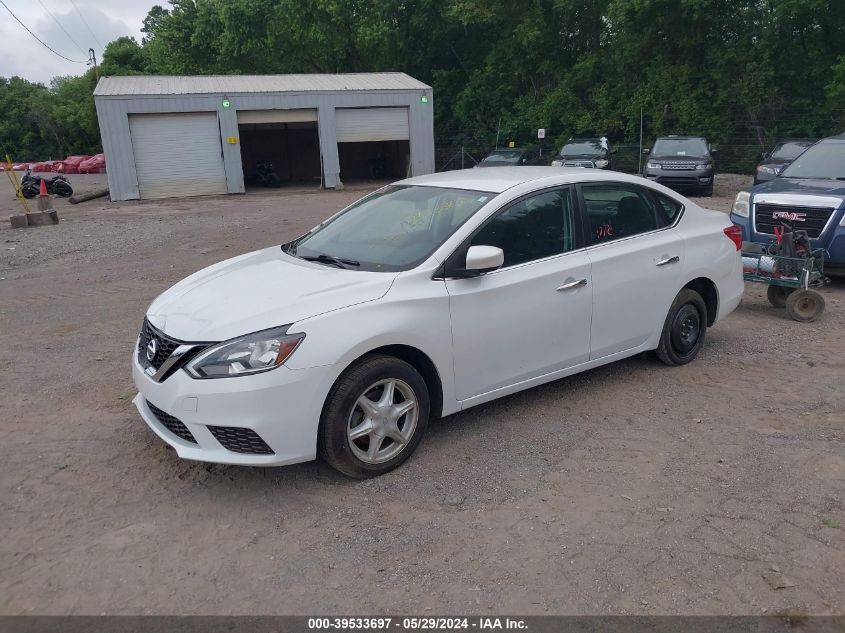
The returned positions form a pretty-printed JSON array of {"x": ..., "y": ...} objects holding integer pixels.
[{"x": 22, "y": 55}]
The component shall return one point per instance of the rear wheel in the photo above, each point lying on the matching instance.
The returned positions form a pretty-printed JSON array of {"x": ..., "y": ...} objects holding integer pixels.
[
  {"x": 805, "y": 305},
  {"x": 374, "y": 417},
  {"x": 778, "y": 295},
  {"x": 684, "y": 329}
]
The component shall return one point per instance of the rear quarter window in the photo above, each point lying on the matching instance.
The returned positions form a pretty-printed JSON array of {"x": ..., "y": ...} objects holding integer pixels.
[{"x": 666, "y": 205}]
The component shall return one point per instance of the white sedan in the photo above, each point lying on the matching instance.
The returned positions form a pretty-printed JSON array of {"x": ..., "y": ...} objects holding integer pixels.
[{"x": 427, "y": 297}]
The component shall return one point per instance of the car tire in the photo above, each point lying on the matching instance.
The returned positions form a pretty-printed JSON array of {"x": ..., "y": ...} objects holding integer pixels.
[
  {"x": 777, "y": 295},
  {"x": 350, "y": 427},
  {"x": 708, "y": 193},
  {"x": 684, "y": 329}
]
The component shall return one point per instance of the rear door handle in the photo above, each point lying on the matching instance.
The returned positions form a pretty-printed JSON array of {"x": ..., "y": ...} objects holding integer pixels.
[
  {"x": 669, "y": 260},
  {"x": 572, "y": 284}
]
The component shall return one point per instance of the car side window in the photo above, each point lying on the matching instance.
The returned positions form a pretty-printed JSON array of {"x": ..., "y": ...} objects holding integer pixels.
[
  {"x": 533, "y": 228},
  {"x": 668, "y": 206},
  {"x": 613, "y": 211}
]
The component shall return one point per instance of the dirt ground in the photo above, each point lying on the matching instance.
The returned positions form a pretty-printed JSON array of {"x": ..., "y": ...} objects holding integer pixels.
[{"x": 629, "y": 489}]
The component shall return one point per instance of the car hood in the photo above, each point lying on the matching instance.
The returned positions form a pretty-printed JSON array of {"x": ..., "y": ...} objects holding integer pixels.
[
  {"x": 257, "y": 291},
  {"x": 808, "y": 186},
  {"x": 689, "y": 158},
  {"x": 800, "y": 192},
  {"x": 590, "y": 156},
  {"x": 776, "y": 162}
]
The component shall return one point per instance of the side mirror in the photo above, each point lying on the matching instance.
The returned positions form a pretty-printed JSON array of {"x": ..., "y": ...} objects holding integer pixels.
[
  {"x": 713, "y": 150},
  {"x": 483, "y": 259},
  {"x": 646, "y": 151}
]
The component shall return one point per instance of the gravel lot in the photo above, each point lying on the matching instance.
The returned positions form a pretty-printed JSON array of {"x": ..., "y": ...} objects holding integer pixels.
[{"x": 629, "y": 489}]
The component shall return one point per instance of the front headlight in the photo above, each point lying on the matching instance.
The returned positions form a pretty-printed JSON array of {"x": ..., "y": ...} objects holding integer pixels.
[
  {"x": 601, "y": 163},
  {"x": 557, "y": 163},
  {"x": 703, "y": 166},
  {"x": 651, "y": 165},
  {"x": 742, "y": 204},
  {"x": 764, "y": 169},
  {"x": 250, "y": 354}
]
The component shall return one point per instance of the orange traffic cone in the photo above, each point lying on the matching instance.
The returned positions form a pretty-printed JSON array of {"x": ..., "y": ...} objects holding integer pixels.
[{"x": 43, "y": 197}]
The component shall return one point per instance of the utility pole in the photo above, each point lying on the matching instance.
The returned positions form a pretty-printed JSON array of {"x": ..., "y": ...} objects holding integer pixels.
[
  {"x": 640, "y": 159},
  {"x": 92, "y": 61}
]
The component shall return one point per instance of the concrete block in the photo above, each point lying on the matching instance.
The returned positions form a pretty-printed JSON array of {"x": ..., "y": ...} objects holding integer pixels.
[
  {"x": 18, "y": 221},
  {"x": 24, "y": 220}
]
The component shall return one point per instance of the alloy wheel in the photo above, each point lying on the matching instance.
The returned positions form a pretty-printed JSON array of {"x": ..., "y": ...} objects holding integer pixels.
[{"x": 382, "y": 421}]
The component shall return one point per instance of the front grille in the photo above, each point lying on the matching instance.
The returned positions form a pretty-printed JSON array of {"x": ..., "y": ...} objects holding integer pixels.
[
  {"x": 165, "y": 346},
  {"x": 172, "y": 424},
  {"x": 810, "y": 219},
  {"x": 578, "y": 163},
  {"x": 679, "y": 166},
  {"x": 164, "y": 343},
  {"x": 240, "y": 440}
]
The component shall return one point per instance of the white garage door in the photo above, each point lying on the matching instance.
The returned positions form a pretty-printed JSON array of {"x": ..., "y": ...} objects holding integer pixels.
[
  {"x": 177, "y": 154},
  {"x": 356, "y": 125}
]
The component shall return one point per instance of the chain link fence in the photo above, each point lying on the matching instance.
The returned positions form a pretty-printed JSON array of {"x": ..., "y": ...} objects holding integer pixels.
[{"x": 739, "y": 146}]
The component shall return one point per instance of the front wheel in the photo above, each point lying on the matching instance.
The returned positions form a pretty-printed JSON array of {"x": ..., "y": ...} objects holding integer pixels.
[
  {"x": 684, "y": 329},
  {"x": 374, "y": 417}
]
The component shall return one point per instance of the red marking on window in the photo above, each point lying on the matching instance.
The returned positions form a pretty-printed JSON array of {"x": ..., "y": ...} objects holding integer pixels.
[{"x": 605, "y": 230}]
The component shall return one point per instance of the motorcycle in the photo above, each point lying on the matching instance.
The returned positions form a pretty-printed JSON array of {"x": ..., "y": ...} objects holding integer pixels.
[
  {"x": 267, "y": 176},
  {"x": 57, "y": 185}
]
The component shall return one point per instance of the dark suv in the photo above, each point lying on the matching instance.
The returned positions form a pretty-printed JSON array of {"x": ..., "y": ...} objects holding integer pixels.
[
  {"x": 783, "y": 153},
  {"x": 585, "y": 152},
  {"x": 682, "y": 163}
]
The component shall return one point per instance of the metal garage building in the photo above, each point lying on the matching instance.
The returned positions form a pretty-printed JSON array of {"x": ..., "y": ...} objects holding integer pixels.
[{"x": 183, "y": 136}]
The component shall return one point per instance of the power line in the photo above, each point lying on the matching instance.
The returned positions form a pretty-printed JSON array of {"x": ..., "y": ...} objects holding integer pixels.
[
  {"x": 85, "y": 22},
  {"x": 52, "y": 50},
  {"x": 70, "y": 37}
]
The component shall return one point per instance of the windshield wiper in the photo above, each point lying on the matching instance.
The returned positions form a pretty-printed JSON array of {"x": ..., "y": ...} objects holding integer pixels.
[{"x": 323, "y": 258}]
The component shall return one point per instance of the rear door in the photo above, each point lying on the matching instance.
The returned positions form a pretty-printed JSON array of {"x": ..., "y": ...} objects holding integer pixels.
[
  {"x": 636, "y": 257},
  {"x": 531, "y": 317}
]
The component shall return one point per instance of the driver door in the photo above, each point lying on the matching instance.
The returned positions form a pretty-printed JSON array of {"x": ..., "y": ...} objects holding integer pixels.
[{"x": 531, "y": 317}]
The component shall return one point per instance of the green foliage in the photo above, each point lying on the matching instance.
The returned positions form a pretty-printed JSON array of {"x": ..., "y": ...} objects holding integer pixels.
[{"x": 742, "y": 72}]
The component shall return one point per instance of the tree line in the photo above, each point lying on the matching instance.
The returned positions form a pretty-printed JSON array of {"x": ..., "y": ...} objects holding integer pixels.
[{"x": 737, "y": 71}]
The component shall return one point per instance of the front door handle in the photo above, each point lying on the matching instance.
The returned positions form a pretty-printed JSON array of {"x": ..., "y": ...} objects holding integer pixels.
[
  {"x": 669, "y": 260},
  {"x": 572, "y": 284}
]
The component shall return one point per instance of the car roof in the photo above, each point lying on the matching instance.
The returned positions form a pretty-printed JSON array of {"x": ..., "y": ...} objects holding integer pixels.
[
  {"x": 834, "y": 139},
  {"x": 499, "y": 179},
  {"x": 676, "y": 137}
]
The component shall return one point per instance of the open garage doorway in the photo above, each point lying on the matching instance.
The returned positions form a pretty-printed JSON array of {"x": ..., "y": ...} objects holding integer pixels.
[
  {"x": 373, "y": 143},
  {"x": 373, "y": 160},
  {"x": 279, "y": 147}
]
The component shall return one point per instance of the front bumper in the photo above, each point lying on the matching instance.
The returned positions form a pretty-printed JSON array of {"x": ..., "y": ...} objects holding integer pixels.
[
  {"x": 282, "y": 406},
  {"x": 681, "y": 178}
]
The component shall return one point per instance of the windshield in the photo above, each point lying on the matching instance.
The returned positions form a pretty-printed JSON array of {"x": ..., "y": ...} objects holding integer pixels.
[
  {"x": 680, "y": 147},
  {"x": 510, "y": 157},
  {"x": 393, "y": 229},
  {"x": 789, "y": 150},
  {"x": 824, "y": 160},
  {"x": 582, "y": 148}
]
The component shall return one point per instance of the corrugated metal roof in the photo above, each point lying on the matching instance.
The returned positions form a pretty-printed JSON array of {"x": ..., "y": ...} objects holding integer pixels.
[{"x": 240, "y": 84}]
